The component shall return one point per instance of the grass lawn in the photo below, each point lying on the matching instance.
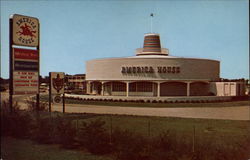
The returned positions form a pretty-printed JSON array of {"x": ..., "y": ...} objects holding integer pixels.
[
  {"x": 184, "y": 126},
  {"x": 17, "y": 149},
  {"x": 224, "y": 132},
  {"x": 218, "y": 134}
]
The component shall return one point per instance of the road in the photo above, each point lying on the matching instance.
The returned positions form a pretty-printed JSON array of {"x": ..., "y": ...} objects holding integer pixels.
[{"x": 229, "y": 113}]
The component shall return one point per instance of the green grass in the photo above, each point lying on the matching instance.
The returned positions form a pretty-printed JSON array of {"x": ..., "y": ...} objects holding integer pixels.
[
  {"x": 17, "y": 149},
  {"x": 225, "y": 130},
  {"x": 218, "y": 132},
  {"x": 182, "y": 126}
]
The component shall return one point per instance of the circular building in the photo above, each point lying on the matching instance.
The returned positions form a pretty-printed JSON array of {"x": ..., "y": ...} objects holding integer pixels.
[{"x": 152, "y": 72}]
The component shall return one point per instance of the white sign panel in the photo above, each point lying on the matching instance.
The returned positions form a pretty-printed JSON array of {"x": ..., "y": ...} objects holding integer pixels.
[
  {"x": 25, "y": 30},
  {"x": 57, "y": 82},
  {"x": 25, "y": 82}
]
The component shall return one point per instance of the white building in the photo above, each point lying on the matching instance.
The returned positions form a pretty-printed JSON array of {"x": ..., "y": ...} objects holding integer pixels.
[{"x": 154, "y": 73}]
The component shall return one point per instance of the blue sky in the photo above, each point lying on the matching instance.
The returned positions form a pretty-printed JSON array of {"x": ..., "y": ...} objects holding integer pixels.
[{"x": 73, "y": 32}]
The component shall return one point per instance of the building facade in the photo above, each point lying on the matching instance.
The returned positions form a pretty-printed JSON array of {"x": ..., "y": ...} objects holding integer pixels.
[
  {"x": 154, "y": 73},
  {"x": 75, "y": 83}
]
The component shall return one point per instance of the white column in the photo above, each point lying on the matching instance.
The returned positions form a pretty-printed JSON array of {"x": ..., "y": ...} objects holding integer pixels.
[
  {"x": 88, "y": 87},
  {"x": 188, "y": 88},
  {"x": 127, "y": 89},
  {"x": 158, "y": 89},
  {"x": 102, "y": 92}
]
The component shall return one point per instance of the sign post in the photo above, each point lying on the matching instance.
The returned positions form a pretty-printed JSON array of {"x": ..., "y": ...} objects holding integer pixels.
[
  {"x": 56, "y": 88},
  {"x": 24, "y": 63},
  {"x": 10, "y": 69}
]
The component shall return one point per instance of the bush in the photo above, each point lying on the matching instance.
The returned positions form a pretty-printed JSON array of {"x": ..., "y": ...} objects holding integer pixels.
[
  {"x": 94, "y": 137},
  {"x": 154, "y": 101},
  {"x": 6, "y": 107},
  {"x": 32, "y": 105},
  {"x": 65, "y": 132},
  {"x": 2, "y": 88},
  {"x": 18, "y": 123},
  {"x": 43, "y": 131},
  {"x": 164, "y": 146},
  {"x": 129, "y": 146},
  {"x": 141, "y": 101}
]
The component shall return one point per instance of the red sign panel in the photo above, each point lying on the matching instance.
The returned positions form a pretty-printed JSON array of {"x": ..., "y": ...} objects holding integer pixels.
[{"x": 26, "y": 54}]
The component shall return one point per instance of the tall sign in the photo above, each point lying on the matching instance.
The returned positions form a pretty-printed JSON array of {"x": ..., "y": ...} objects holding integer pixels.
[
  {"x": 56, "y": 88},
  {"x": 24, "y": 63}
]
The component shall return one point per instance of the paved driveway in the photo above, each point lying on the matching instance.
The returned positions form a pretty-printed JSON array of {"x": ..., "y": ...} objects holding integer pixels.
[{"x": 231, "y": 113}]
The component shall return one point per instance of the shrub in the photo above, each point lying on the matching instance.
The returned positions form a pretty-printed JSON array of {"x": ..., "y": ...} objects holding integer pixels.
[
  {"x": 32, "y": 105},
  {"x": 129, "y": 146},
  {"x": 164, "y": 147},
  {"x": 17, "y": 123},
  {"x": 65, "y": 132},
  {"x": 154, "y": 101},
  {"x": 6, "y": 107},
  {"x": 2, "y": 88},
  {"x": 94, "y": 137},
  {"x": 141, "y": 101},
  {"x": 44, "y": 131}
]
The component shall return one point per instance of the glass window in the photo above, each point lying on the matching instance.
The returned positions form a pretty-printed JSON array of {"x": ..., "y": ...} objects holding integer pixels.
[{"x": 118, "y": 87}]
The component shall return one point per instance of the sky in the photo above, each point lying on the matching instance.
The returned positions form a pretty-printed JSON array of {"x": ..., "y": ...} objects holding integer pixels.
[{"x": 73, "y": 32}]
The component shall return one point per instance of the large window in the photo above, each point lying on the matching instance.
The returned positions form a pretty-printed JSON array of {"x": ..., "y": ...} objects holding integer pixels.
[
  {"x": 141, "y": 87},
  {"x": 132, "y": 87},
  {"x": 118, "y": 87}
]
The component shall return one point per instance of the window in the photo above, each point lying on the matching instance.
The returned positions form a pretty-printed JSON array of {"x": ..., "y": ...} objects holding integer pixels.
[
  {"x": 118, "y": 87},
  {"x": 141, "y": 87}
]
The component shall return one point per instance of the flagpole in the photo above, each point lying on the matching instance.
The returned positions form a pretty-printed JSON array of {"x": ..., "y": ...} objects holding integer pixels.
[{"x": 151, "y": 15}]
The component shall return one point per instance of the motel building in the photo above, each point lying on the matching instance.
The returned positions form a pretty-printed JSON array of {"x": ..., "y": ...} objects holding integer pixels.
[{"x": 152, "y": 72}]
